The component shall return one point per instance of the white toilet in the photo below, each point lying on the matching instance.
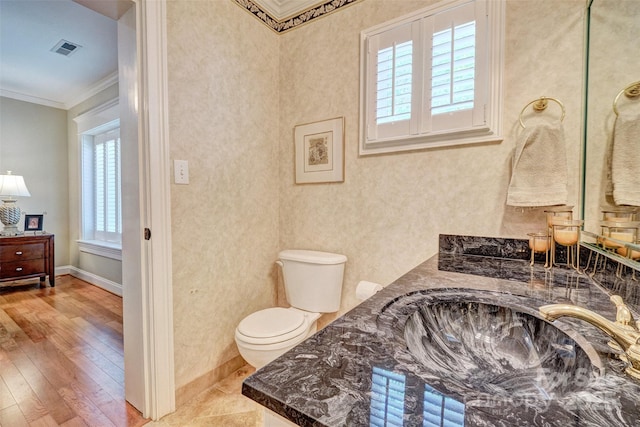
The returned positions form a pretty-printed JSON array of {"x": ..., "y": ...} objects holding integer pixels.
[{"x": 313, "y": 285}]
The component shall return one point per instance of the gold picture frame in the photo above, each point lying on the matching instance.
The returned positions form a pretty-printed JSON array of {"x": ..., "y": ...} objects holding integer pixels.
[{"x": 319, "y": 151}]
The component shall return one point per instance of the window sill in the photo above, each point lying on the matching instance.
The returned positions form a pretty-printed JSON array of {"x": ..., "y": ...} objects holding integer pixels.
[
  {"x": 421, "y": 142},
  {"x": 104, "y": 249}
]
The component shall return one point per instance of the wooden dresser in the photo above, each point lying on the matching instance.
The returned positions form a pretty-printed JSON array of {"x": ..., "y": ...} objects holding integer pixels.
[{"x": 27, "y": 256}]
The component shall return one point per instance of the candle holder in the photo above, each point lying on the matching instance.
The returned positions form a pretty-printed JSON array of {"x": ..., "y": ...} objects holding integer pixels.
[
  {"x": 619, "y": 213},
  {"x": 631, "y": 252},
  {"x": 615, "y": 234},
  {"x": 558, "y": 213},
  {"x": 539, "y": 243},
  {"x": 566, "y": 233}
]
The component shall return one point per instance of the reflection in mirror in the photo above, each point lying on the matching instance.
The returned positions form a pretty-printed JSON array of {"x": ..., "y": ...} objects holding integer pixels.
[{"x": 611, "y": 188}]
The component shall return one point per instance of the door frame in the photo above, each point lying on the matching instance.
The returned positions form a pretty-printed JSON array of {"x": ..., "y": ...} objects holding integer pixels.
[{"x": 155, "y": 211}]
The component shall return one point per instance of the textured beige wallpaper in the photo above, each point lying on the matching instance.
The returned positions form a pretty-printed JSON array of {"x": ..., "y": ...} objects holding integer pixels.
[
  {"x": 223, "y": 113},
  {"x": 388, "y": 213},
  {"x": 236, "y": 92}
]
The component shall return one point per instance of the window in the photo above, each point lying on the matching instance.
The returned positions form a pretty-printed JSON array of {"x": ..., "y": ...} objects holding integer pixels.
[
  {"x": 432, "y": 78},
  {"x": 101, "y": 197},
  {"x": 453, "y": 61}
]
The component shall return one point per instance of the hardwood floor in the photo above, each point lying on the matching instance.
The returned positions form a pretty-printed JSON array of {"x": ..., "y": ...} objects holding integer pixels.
[{"x": 61, "y": 356}]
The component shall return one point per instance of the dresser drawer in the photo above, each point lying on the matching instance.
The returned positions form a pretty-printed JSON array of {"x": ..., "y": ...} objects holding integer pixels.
[
  {"x": 21, "y": 252},
  {"x": 27, "y": 256},
  {"x": 21, "y": 268}
]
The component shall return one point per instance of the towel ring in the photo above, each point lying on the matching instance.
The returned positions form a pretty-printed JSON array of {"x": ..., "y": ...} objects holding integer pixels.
[
  {"x": 540, "y": 104},
  {"x": 631, "y": 91}
]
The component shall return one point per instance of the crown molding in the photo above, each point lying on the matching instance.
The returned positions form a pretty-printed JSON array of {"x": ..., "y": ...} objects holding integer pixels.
[
  {"x": 94, "y": 89},
  {"x": 280, "y": 9},
  {"x": 101, "y": 85},
  {"x": 292, "y": 21},
  {"x": 32, "y": 99}
]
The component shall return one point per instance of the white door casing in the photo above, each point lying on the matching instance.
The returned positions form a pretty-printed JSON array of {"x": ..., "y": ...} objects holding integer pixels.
[{"x": 146, "y": 264}]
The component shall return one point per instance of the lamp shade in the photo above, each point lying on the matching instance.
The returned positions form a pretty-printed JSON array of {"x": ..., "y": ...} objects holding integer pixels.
[{"x": 13, "y": 186}]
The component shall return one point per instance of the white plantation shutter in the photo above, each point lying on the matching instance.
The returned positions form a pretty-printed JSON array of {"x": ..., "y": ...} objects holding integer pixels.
[
  {"x": 456, "y": 95},
  {"x": 108, "y": 220},
  {"x": 453, "y": 69},
  {"x": 101, "y": 186},
  {"x": 393, "y": 70},
  {"x": 433, "y": 78},
  {"x": 393, "y": 92}
]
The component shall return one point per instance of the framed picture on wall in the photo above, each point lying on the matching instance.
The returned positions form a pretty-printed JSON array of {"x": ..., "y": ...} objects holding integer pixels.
[
  {"x": 319, "y": 151},
  {"x": 33, "y": 222}
]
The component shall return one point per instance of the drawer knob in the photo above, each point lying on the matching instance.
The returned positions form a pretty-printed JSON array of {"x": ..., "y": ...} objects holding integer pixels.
[
  {"x": 19, "y": 253},
  {"x": 19, "y": 269}
]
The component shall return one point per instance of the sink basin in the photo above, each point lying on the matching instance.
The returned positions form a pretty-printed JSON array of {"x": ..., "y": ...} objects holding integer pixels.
[
  {"x": 500, "y": 350},
  {"x": 481, "y": 345}
]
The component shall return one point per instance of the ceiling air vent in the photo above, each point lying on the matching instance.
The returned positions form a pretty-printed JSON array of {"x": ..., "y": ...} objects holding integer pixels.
[{"x": 65, "y": 48}]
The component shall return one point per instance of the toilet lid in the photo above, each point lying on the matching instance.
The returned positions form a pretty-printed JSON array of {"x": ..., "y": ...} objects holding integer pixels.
[{"x": 271, "y": 322}]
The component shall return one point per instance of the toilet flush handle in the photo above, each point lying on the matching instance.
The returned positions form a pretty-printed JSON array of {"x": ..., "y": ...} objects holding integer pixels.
[{"x": 279, "y": 263}]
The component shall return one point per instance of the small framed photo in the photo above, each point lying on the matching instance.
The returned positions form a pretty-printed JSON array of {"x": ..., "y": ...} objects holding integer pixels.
[
  {"x": 319, "y": 151},
  {"x": 33, "y": 222}
]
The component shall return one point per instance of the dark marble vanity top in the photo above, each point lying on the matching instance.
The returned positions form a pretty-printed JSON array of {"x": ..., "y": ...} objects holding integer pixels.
[{"x": 457, "y": 341}]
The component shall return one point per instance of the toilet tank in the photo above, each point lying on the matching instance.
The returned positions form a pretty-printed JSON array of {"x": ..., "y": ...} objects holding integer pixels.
[{"x": 313, "y": 279}]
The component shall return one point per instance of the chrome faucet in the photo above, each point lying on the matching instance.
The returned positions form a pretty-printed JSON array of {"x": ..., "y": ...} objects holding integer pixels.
[{"x": 624, "y": 331}]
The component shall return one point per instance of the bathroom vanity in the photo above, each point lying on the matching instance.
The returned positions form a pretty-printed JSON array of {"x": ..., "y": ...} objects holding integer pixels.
[{"x": 458, "y": 341}]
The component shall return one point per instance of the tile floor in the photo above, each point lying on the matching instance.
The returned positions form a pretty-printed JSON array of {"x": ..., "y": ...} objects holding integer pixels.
[{"x": 222, "y": 405}]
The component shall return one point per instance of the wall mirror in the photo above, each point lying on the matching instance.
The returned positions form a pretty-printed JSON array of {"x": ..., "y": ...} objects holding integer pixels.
[{"x": 613, "y": 64}]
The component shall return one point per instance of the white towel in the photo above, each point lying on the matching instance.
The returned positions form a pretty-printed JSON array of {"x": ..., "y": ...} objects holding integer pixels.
[
  {"x": 539, "y": 176},
  {"x": 625, "y": 160},
  {"x": 608, "y": 185}
]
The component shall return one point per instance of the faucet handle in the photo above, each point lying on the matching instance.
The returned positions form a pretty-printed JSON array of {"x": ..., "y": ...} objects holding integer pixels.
[{"x": 623, "y": 314}]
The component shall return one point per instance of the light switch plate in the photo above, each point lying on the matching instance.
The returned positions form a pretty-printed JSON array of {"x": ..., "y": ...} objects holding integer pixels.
[{"x": 181, "y": 171}]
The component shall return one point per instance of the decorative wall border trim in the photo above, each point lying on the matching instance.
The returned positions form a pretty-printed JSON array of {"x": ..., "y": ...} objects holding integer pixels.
[{"x": 286, "y": 24}]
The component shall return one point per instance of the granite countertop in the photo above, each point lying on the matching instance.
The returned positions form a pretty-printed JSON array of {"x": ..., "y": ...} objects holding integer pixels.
[{"x": 363, "y": 369}]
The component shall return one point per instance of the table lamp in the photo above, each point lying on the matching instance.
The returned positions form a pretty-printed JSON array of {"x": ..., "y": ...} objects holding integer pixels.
[{"x": 11, "y": 186}]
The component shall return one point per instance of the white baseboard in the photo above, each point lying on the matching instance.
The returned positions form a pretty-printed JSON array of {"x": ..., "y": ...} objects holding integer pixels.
[{"x": 94, "y": 279}]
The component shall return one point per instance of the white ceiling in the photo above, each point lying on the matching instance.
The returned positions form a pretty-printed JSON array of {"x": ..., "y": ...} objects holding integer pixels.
[
  {"x": 30, "y": 71},
  {"x": 29, "y": 29}
]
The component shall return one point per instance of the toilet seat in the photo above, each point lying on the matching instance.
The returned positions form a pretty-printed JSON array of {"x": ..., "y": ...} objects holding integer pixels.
[{"x": 271, "y": 326}]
